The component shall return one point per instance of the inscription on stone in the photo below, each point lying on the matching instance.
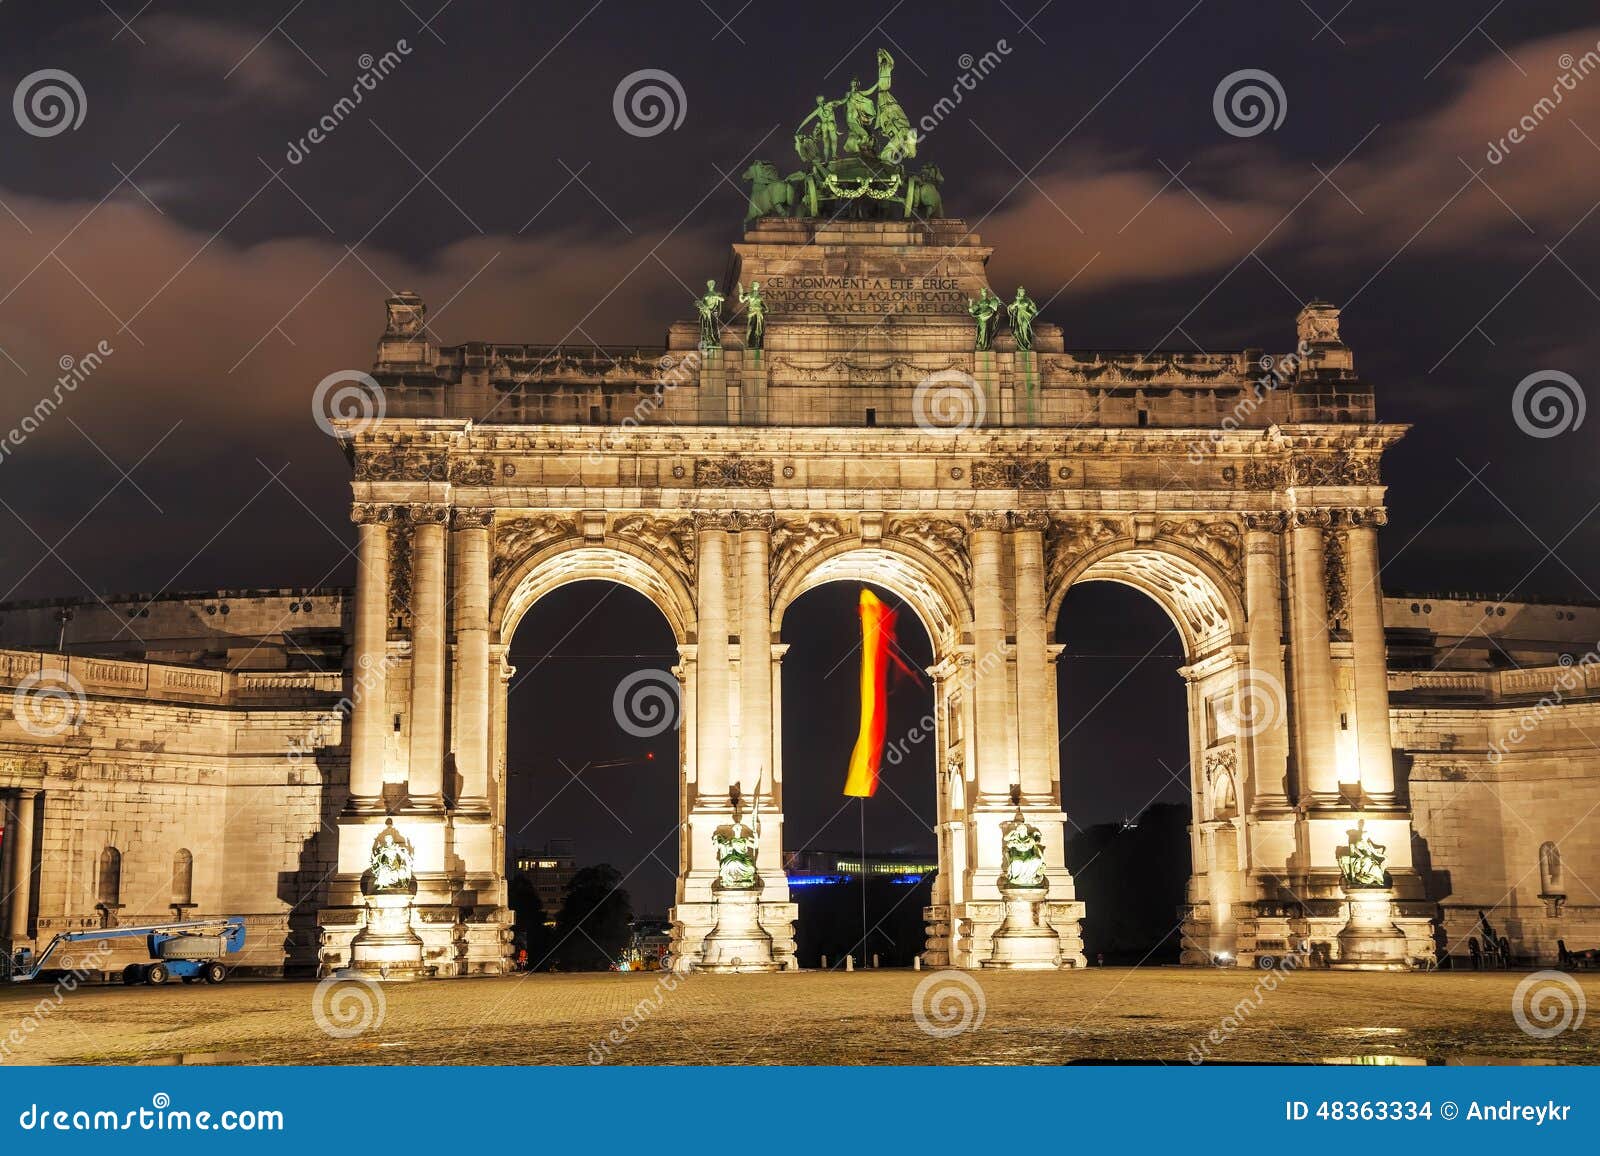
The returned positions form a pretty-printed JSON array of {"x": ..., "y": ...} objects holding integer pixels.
[{"x": 828, "y": 293}]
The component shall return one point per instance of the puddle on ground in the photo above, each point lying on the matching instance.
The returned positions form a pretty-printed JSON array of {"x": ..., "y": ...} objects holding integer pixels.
[
  {"x": 1377, "y": 1060},
  {"x": 194, "y": 1059}
]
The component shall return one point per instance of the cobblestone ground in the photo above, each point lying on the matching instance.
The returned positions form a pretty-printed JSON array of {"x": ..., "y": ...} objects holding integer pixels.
[{"x": 1110, "y": 1014}]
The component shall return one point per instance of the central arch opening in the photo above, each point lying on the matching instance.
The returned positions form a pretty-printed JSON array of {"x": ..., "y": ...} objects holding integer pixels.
[
  {"x": 591, "y": 804},
  {"x": 861, "y": 871}
]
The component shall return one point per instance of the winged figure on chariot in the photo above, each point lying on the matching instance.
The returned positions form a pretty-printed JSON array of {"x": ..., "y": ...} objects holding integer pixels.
[{"x": 863, "y": 174}]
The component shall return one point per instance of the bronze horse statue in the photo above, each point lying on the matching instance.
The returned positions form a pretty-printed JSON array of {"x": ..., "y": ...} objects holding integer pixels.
[{"x": 771, "y": 195}]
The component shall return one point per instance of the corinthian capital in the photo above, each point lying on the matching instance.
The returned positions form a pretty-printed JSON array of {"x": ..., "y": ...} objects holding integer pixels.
[
  {"x": 371, "y": 513},
  {"x": 425, "y": 514},
  {"x": 1272, "y": 521},
  {"x": 754, "y": 520},
  {"x": 715, "y": 520},
  {"x": 471, "y": 518},
  {"x": 989, "y": 520}
]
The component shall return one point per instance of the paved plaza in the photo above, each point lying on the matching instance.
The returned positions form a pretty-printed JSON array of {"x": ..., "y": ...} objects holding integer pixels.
[{"x": 1100, "y": 1015}]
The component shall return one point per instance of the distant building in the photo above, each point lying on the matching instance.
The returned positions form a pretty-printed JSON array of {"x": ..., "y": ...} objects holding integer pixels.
[
  {"x": 649, "y": 942},
  {"x": 548, "y": 871},
  {"x": 810, "y": 868}
]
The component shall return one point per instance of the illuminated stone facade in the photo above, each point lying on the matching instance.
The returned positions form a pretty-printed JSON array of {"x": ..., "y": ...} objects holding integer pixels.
[{"x": 866, "y": 441}]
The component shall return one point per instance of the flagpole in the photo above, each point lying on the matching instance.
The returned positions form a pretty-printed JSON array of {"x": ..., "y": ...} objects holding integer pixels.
[{"x": 863, "y": 814}]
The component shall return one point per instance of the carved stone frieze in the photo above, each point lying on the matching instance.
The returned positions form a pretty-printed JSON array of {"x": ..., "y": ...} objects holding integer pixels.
[
  {"x": 1068, "y": 539},
  {"x": 1221, "y": 759},
  {"x": 1218, "y": 540},
  {"x": 472, "y": 472},
  {"x": 1265, "y": 474},
  {"x": 398, "y": 464},
  {"x": 672, "y": 538},
  {"x": 517, "y": 538},
  {"x": 400, "y": 578},
  {"x": 1334, "y": 578},
  {"x": 794, "y": 538},
  {"x": 882, "y": 371},
  {"x": 1010, "y": 474},
  {"x": 733, "y": 472},
  {"x": 1338, "y": 468},
  {"x": 944, "y": 538}
]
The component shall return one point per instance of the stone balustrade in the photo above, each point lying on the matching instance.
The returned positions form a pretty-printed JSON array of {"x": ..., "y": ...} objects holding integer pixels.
[
  {"x": 166, "y": 682},
  {"x": 1575, "y": 680}
]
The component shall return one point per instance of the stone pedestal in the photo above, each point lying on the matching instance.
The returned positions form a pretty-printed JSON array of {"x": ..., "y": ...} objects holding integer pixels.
[
  {"x": 1370, "y": 941},
  {"x": 386, "y": 948},
  {"x": 1025, "y": 940},
  {"x": 738, "y": 943}
]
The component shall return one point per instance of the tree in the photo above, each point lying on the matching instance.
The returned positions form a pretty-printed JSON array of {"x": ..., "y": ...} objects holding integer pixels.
[
  {"x": 528, "y": 921},
  {"x": 592, "y": 928}
]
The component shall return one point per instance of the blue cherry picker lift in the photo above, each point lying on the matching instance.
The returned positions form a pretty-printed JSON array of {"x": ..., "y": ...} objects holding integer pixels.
[{"x": 191, "y": 951}]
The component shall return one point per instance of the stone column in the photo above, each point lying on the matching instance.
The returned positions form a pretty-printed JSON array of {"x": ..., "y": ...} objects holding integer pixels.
[
  {"x": 987, "y": 541},
  {"x": 1315, "y": 707},
  {"x": 1371, "y": 660},
  {"x": 472, "y": 679},
  {"x": 755, "y": 663},
  {"x": 713, "y": 731},
  {"x": 425, "y": 790},
  {"x": 20, "y": 885},
  {"x": 1036, "y": 705},
  {"x": 369, "y": 668},
  {"x": 1269, "y": 745}
]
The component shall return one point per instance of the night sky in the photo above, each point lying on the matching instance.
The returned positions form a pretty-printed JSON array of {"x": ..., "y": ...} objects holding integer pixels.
[{"x": 488, "y": 172}]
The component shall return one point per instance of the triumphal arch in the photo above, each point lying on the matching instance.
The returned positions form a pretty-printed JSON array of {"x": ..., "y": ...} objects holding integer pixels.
[{"x": 857, "y": 403}]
